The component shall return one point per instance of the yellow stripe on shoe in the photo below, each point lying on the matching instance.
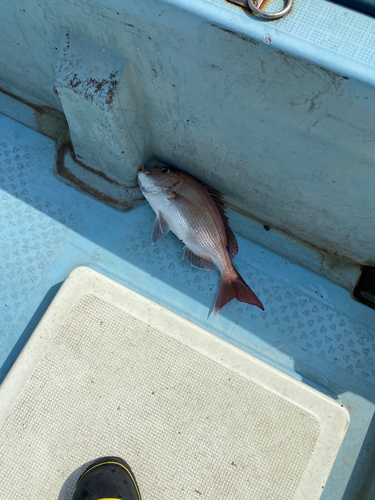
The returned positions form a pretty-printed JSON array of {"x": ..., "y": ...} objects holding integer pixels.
[{"x": 112, "y": 463}]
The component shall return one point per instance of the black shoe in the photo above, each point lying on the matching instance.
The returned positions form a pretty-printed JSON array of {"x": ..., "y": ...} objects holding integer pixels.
[{"x": 107, "y": 478}]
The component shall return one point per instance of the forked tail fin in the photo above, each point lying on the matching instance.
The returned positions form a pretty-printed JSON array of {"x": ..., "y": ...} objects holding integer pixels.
[{"x": 237, "y": 288}]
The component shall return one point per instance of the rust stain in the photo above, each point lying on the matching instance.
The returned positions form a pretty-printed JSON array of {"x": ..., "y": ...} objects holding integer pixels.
[
  {"x": 42, "y": 109},
  {"x": 50, "y": 121},
  {"x": 91, "y": 86},
  {"x": 68, "y": 149},
  {"x": 264, "y": 4},
  {"x": 65, "y": 150},
  {"x": 246, "y": 9}
]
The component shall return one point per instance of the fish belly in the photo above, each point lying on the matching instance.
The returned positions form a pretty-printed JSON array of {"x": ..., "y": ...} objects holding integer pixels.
[
  {"x": 194, "y": 227},
  {"x": 197, "y": 230}
]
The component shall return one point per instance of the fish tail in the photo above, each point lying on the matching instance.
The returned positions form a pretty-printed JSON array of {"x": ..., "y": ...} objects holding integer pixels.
[{"x": 235, "y": 288}]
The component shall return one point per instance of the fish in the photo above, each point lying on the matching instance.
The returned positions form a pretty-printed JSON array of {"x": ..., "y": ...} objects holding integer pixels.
[{"x": 195, "y": 213}]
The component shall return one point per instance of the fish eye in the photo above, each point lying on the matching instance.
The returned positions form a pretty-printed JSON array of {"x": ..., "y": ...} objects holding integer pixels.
[{"x": 165, "y": 170}]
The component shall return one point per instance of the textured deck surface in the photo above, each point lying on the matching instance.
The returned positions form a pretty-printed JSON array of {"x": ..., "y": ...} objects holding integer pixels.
[
  {"x": 120, "y": 375},
  {"x": 310, "y": 328}
]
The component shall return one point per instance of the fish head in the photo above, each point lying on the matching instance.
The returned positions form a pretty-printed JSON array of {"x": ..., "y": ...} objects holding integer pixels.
[{"x": 158, "y": 178}]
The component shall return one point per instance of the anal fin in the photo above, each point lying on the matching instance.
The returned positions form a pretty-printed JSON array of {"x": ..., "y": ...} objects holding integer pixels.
[{"x": 197, "y": 261}]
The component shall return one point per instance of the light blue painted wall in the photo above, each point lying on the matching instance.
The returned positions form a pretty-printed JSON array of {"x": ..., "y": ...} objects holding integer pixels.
[{"x": 288, "y": 142}]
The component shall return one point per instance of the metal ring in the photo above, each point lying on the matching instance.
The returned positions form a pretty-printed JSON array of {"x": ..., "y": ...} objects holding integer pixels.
[{"x": 270, "y": 15}]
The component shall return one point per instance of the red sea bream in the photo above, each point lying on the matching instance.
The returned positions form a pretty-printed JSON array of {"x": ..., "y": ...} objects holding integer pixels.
[{"x": 194, "y": 212}]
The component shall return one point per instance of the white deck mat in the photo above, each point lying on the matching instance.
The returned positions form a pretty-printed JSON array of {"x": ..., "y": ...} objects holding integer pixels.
[{"x": 108, "y": 372}]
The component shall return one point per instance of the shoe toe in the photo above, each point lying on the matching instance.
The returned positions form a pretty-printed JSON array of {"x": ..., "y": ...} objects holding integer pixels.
[{"x": 108, "y": 478}]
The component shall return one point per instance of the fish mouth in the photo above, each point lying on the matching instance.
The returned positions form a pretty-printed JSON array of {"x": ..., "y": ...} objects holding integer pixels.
[{"x": 142, "y": 181}]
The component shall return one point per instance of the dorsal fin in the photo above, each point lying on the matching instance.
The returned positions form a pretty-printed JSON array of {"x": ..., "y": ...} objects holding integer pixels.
[{"x": 218, "y": 199}]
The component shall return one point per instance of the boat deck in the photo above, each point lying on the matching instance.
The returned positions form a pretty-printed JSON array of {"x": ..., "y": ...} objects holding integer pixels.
[{"x": 310, "y": 329}]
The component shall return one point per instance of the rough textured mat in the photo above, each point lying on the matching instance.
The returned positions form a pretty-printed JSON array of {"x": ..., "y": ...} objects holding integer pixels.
[{"x": 110, "y": 372}]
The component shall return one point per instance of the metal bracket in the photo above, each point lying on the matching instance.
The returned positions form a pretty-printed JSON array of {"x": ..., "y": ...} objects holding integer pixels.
[{"x": 255, "y": 7}]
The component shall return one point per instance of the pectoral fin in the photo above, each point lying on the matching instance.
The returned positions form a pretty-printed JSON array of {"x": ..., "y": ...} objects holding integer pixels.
[
  {"x": 197, "y": 261},
  {"x": 160, "y": 228},
  {"x": 182, "y": 201}
]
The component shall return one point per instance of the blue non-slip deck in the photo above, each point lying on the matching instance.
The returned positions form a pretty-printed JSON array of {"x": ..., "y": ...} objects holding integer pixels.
[{"x": 310, "y": 327}]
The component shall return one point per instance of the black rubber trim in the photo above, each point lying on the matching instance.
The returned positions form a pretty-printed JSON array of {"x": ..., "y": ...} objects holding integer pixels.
[{"x": 364, "y": 6}]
